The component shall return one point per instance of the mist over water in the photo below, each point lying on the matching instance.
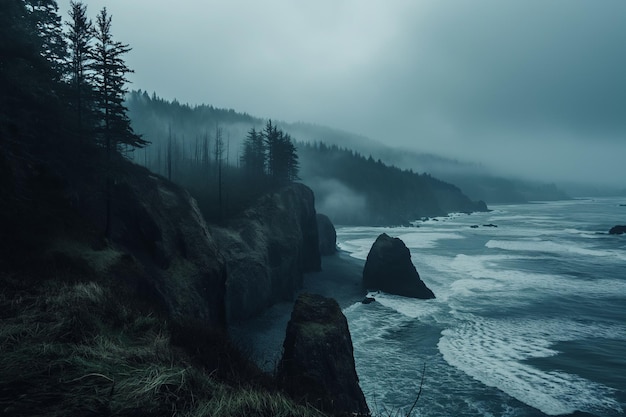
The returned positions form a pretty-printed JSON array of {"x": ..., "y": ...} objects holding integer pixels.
[{"x": 528, "y": 319}]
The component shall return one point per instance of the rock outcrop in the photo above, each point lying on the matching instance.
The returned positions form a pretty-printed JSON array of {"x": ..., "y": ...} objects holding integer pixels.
[
  {"x": 327, "y": 235},
  {"x": 318, "y": 363},
  {"x": 268, "y": 249},
  {"x": 177, "y": 258},
  {"x": 389, "y": 268},
  {"x": 617, "y": 230}
]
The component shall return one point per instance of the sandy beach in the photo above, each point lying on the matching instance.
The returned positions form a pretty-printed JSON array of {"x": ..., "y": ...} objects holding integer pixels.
[{"x": 262, "y": 337}]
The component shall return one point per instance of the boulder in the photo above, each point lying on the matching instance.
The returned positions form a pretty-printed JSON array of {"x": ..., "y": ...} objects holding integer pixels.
[
  {"x": 617, "y": 230},
  {"x": 267, "y": 249},
  {"x": 389, "y": 268},
  {"x": 327, "y": 235},
  {"x": 317, "y": 366}
]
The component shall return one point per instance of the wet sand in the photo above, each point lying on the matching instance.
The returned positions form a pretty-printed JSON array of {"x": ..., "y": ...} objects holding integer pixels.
[{"x": 262, "y": 337}]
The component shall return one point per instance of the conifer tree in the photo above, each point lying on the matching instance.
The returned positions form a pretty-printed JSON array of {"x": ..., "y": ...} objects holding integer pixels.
[
  {"x": 45, "y": 16},
  {"x": 80, "y": 35},
  {"x": 109, "y": 73},
  {"x": 253, "y": 156}
]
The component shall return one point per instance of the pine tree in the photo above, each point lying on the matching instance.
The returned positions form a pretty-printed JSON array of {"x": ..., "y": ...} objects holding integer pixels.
[
  {"x": 109, "y": 72},
  {"x": 253, "y": 156},
  {"x": 270, "y": 139},
  {"x": 281, "y": 155},
  {"x": 80, "y": 35},
  {"x": 45, "y": 17}
]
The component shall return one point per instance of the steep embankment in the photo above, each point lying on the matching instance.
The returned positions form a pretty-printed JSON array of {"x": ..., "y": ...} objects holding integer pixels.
[{"x": 267, "y": 250}]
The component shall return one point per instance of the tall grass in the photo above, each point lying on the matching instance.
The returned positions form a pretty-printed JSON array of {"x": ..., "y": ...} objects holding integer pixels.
[{"x": 74, "y": 349}]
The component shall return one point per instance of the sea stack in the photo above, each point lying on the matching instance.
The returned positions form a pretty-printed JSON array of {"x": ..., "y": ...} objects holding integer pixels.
[
  {"x": 318, "y": 363},
  {"x": 389, "y": 268}
]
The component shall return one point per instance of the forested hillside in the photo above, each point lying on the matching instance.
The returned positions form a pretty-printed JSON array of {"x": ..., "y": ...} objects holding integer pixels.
[
  {"x": 211, "y": 152},
  {"x": 353, "y": 189}
]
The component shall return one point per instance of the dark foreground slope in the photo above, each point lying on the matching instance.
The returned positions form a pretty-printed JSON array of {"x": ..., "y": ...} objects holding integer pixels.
[{"x": 130, "y": 325}]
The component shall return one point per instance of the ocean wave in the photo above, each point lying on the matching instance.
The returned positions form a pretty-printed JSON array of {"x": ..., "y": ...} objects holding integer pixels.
[{"x": 494, "y": 353}]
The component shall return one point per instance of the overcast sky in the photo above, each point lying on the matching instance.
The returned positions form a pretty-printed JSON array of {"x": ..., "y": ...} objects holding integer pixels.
[{"x": 533, "y": 87}]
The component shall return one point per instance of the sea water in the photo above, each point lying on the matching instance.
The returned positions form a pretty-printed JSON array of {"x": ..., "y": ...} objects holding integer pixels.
[{"x": 529, "y": 319}]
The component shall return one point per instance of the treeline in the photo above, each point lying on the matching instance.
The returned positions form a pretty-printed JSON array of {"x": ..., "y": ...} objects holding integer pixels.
[
  {"x": 354, "y": 189},
  {"x": 62, "y": 104},
  {"x": 224, "y": 158},
  {"x": 349, "y": 187}
]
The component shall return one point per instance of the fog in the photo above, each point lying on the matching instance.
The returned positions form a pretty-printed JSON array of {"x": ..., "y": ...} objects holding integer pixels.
[{"x": 528, "y": 88}]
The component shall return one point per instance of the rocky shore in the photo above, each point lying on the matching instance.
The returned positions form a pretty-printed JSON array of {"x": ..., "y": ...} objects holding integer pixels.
[{"x": 262, "y": 337}]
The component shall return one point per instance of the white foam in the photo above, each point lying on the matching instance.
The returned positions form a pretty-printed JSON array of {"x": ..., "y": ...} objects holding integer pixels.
[
  {"x": 493, "y": 352},
  {"x": 426, "y": 239},
  {"x": 409, "y": 307}
]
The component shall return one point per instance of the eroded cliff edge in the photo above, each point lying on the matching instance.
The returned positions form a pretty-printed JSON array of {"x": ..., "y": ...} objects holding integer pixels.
[{"x": 267, "y": 249}]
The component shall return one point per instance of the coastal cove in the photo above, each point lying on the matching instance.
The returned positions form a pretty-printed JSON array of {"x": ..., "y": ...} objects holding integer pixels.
[{"x": 528, "y": 319}]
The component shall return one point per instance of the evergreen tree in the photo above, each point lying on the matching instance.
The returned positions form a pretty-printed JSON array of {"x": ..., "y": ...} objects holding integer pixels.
[
  {"x": 292, "y": 166},
  {"x": 109, "y": 72},
  {"x": 46, "y": 19},
  {"x": 270, "y": 139},
  {"x": 253, "y": 156},
  {"x": 80, "y": 35},
  {"x": 281, "y": 154}
]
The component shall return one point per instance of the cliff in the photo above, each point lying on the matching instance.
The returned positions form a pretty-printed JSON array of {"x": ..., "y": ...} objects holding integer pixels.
[
  {"x": 327, "y": 235},
  {"x": 161, "y": 226},
  {"x": 267, "y": 250}
]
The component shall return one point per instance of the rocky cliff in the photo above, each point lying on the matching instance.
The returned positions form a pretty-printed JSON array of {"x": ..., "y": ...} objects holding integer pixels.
[
  {"x": 268, "y": 249},
  {"x": 160, "y": 224},
  {"x": 327, "y": 235},
  {"x": 317, "y": 366}
]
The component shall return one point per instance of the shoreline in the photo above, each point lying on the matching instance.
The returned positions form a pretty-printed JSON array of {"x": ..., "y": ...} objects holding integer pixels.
[{"x": 262, "y": 337}]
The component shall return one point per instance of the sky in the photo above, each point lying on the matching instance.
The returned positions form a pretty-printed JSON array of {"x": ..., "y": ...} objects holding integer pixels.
[{"x": 534, "y": 88}]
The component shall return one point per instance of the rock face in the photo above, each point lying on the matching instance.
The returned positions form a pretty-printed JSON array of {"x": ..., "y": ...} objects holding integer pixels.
[
  {"x": 617, "y": 230},
  {"x": 268, "y": 249},
  {"x": 327, "y": 235},
  {"x": 389, "y": 268},
  {"x": 177, "y": 259},
  {"x": 318, "y": 363}
]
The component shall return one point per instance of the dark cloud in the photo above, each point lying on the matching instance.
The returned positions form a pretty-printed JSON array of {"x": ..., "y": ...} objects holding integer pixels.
[{"x": 534, "y": 87}]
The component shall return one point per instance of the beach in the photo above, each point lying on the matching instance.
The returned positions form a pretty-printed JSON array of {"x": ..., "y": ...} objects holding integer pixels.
[{"x": 262, "y": 338}]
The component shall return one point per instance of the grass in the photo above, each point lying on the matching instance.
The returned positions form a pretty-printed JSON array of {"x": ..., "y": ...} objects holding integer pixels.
[{"x": 74, "y": 348}]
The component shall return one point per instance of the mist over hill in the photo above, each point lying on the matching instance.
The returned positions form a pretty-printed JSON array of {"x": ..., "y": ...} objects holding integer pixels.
[{"x": 158, "y": 119}]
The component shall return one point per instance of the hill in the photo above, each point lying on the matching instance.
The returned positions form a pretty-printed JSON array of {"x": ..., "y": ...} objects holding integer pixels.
[
  {"x": 191, "y": 126},
  {"x": 349, "y": 187}
]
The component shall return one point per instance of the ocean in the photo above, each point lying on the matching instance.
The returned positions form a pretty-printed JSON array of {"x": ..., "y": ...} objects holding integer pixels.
[{"x": 529, "y": 319}]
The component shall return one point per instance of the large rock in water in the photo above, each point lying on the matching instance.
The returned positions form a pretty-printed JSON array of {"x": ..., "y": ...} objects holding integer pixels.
[
  {"x": 389, "y": 268},
  {"x": 327, "y": 235},
  {"x": 617, "y": 230},
  {"x": 318, "y": 363},
  {"x": 268, "y": 249}
]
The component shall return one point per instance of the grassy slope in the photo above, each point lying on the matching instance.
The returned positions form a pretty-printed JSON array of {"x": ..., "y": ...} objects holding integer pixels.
[{"x": 72, "y": 343}]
